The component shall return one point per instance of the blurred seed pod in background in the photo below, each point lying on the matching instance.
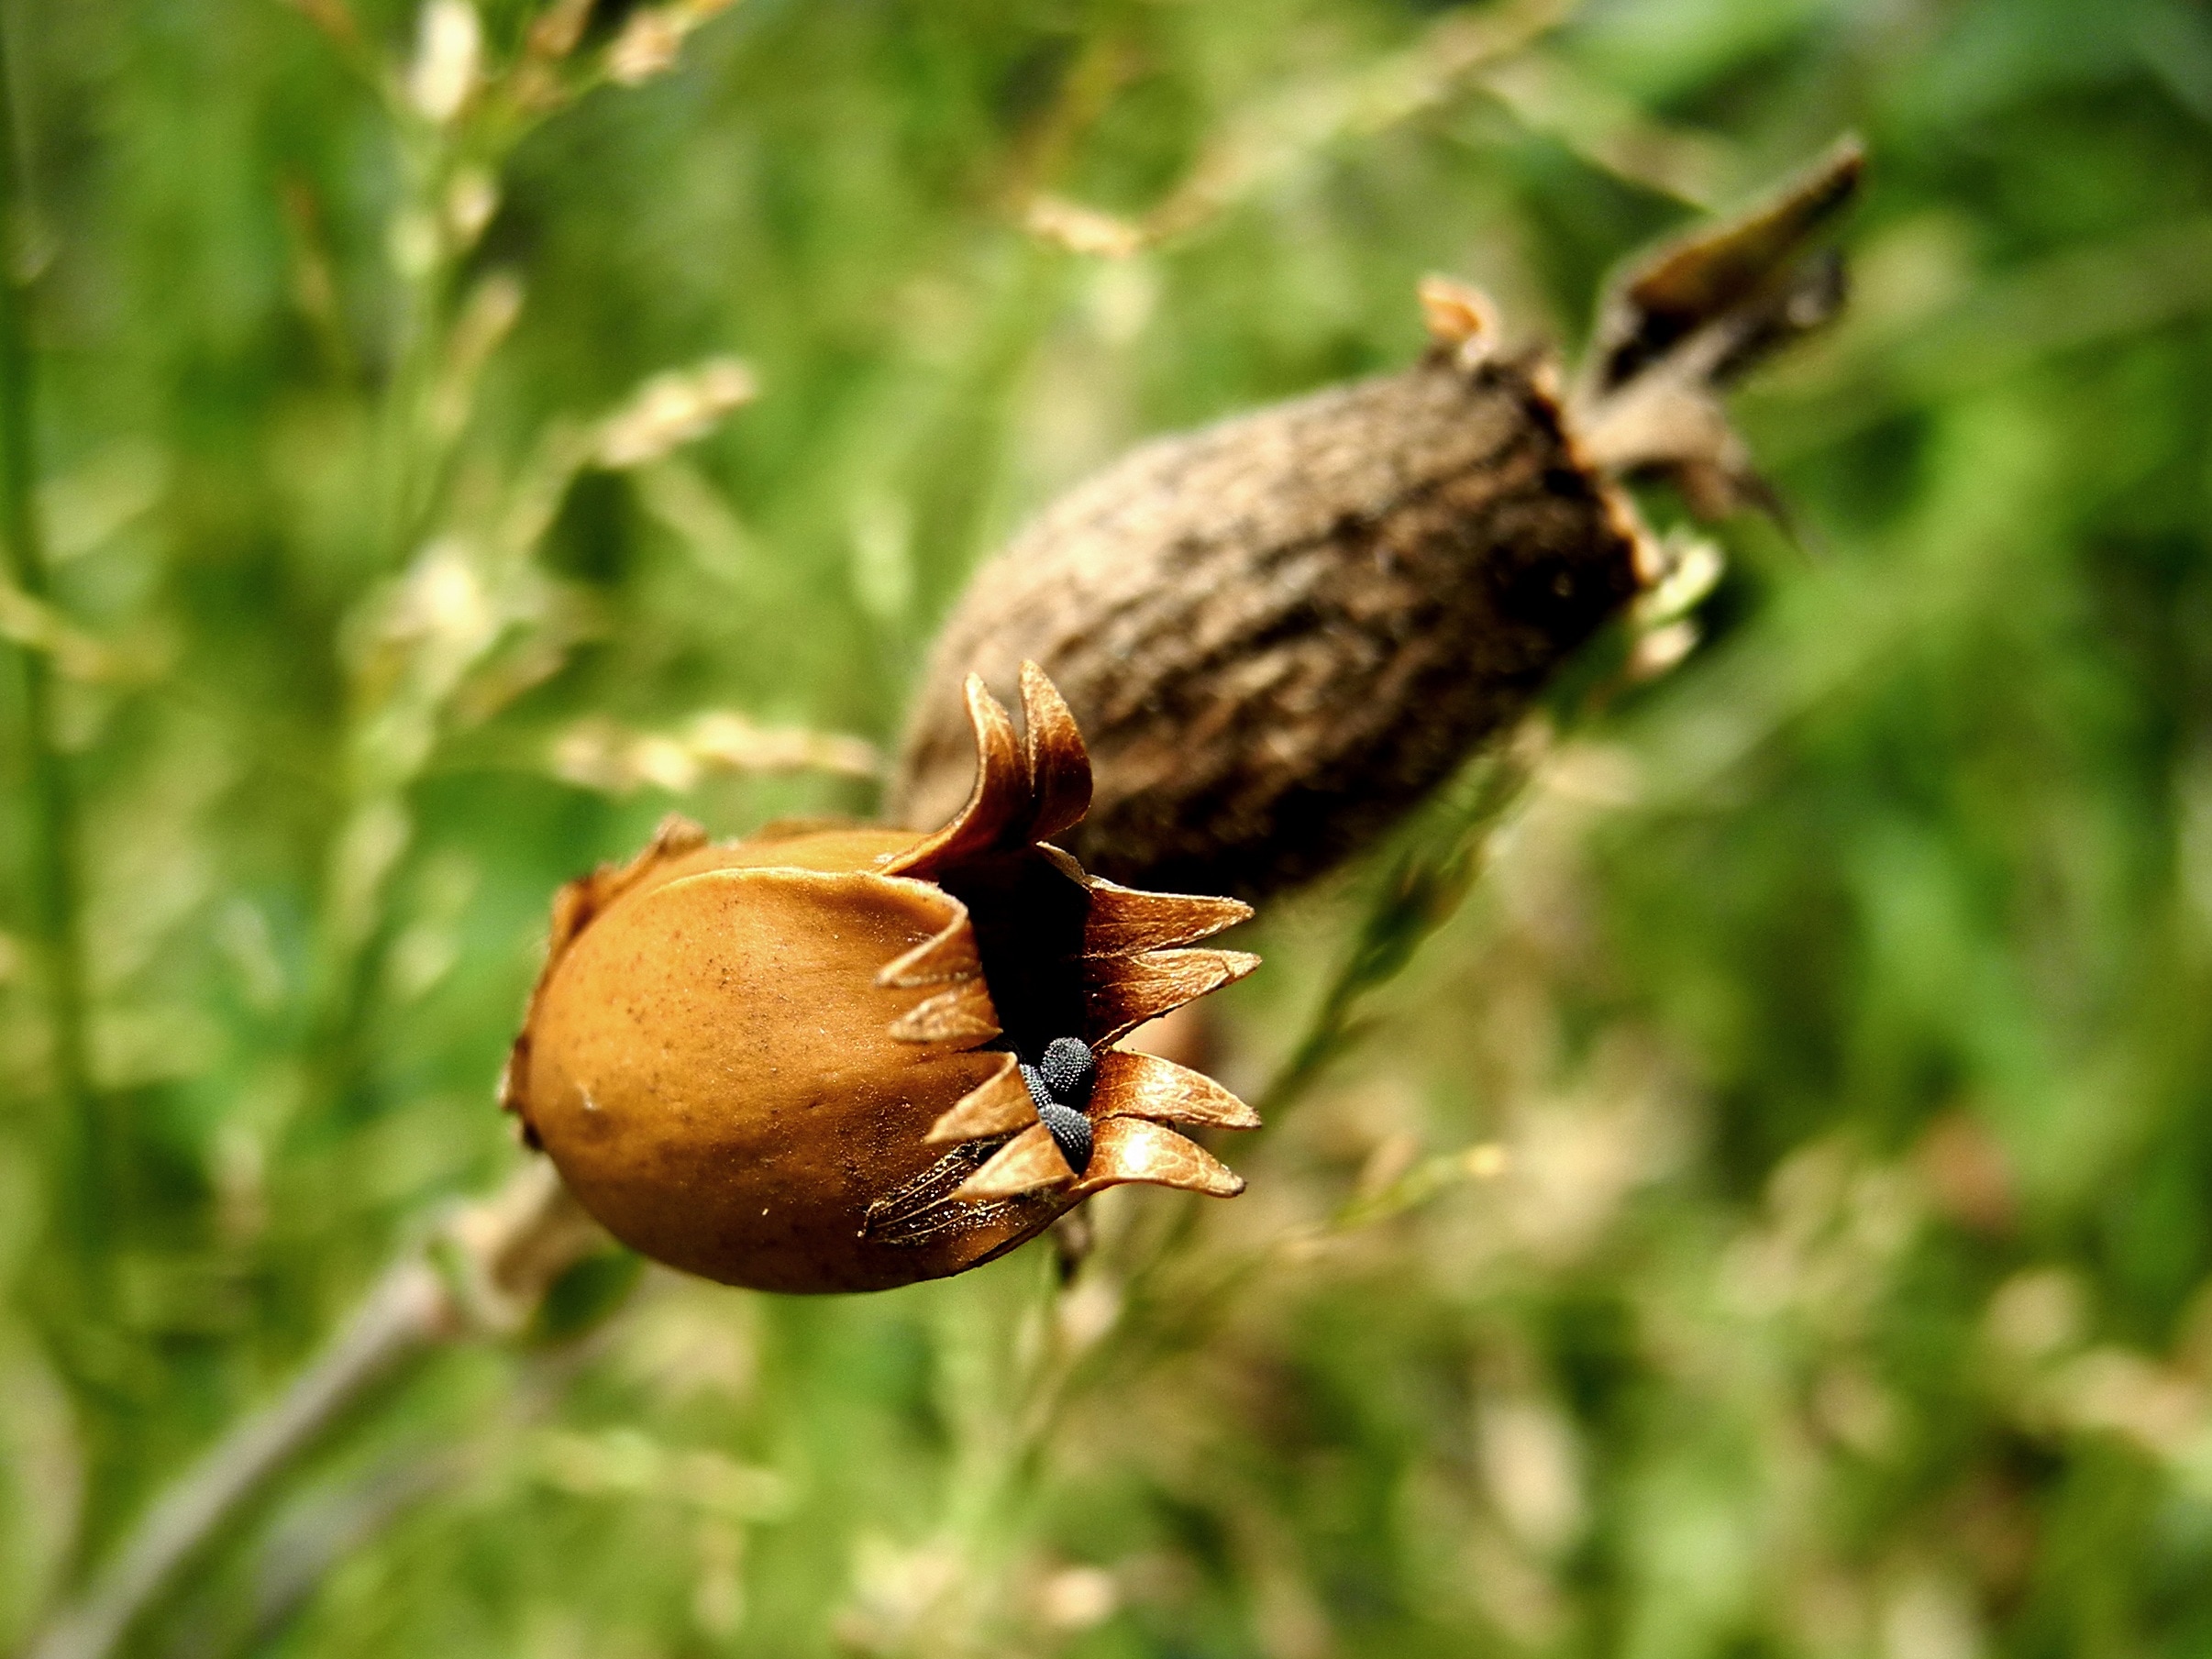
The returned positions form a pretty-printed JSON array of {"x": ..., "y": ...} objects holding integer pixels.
[
  {"x": 1278, "y": 633},
  {"x": 844, "y": 1060}
]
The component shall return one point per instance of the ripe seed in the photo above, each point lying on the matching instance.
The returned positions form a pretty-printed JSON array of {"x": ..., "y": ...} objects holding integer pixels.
[
  {"x": 1059, "y": 1084},
  {"x": 1066, "y": 1068}
]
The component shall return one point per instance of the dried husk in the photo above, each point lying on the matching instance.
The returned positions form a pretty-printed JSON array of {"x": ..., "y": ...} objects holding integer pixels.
[
  {"x": 790, "y": 1062},
  {"x": 1279, "y": 632}
]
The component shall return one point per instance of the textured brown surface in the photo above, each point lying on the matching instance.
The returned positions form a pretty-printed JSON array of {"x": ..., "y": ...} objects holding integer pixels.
[
  {"x": 716, "y": 1075},
  {"x": 792, "y": 1062},
  {"x": 1278, "y": 632}
]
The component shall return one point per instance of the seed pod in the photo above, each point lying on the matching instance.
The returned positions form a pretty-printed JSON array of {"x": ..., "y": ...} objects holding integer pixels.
[
  {"x": 1281, "y": 631},
  {"x": 798, "y": 1062}
]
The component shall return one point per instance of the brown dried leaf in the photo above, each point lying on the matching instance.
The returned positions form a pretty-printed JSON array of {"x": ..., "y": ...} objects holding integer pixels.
[
  {"x": 1126, "y": 991},
  {"x": 1001, "y": 1106},
  {"x": 963, "y": 1015},
  {"x": 1138, "y": 1085},
  {"x": 1058, "y": 766},
  {"x": 1026, "y": 1164},
  {"x": 1123, "y": 922},
  {"x": 1134, "y": 1150},
  {"x": 1000, "y": 798},
  {"x": 950, "y": 955},
  {"x": 1698, "y": 279}
]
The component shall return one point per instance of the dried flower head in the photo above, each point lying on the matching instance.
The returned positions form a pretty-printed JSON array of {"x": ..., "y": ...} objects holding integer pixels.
[
  {"x": 848, "y": 1058},
  {"x": 1281, "y": 631}
]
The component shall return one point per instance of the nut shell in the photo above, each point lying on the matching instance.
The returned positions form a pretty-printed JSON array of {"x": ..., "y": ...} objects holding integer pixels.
[
  {"x": 749, "y": 1149},
  {"x": 1279, "y": 632},
  {"x": 794, "y": 1062}
]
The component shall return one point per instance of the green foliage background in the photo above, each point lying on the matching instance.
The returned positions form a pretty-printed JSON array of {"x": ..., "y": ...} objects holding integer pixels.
[{"x": 1835, "y": 1001}]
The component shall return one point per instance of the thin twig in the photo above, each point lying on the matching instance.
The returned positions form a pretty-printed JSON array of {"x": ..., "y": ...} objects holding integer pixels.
[
  {"x": 485, "y": 1273},
  {"x": 403, "y": 1315},
  {"x": 1417, "y": 895}
]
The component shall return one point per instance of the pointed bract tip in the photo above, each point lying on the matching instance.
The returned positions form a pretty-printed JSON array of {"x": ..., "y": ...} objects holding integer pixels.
[
  {"x": 1460, "y": 317},
  {"x": 1058, "y": 763},
  {"x": 1126, "y": 922},
  {"x": 998, "y": 805}
]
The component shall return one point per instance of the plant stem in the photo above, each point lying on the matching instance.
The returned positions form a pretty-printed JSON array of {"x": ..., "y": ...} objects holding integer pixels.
[
  {"x": 487, "y": 1274},
  {"x": 1416, "y": 896},
  {"x": 51, "y": 871},
  {"x": 400, "y": 1318}
]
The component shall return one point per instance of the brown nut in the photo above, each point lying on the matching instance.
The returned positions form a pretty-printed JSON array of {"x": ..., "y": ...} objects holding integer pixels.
[
  {"x": 1280, "y": 632},
  {"x": 797, "y": 1062}
]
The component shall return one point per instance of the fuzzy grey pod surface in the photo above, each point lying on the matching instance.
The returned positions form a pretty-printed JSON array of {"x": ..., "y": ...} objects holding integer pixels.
[{"x": 1279, "y": 632}]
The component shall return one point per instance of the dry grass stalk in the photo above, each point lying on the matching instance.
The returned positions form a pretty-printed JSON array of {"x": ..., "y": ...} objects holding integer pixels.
[{"x": 485, "y": 1273}]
